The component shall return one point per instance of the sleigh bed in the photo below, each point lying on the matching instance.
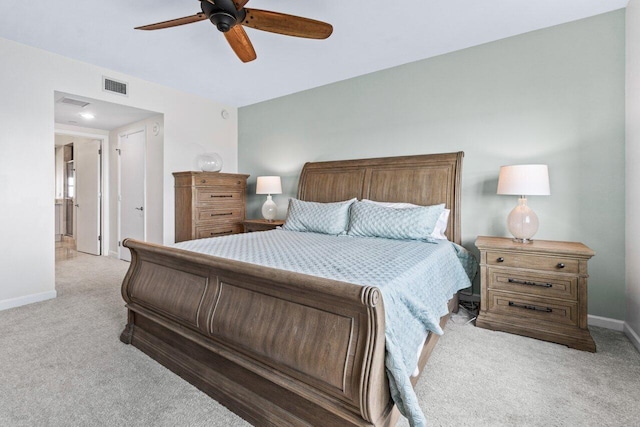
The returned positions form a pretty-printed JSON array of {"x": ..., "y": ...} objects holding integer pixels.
[{"x": 280, "y": 347}]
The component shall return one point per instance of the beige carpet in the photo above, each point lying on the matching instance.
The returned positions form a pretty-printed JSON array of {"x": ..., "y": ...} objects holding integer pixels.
[{"x": 62, "y": 364}]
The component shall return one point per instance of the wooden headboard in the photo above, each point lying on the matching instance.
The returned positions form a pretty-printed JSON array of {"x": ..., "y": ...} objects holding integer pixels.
[{"x": 423, "y": 180}]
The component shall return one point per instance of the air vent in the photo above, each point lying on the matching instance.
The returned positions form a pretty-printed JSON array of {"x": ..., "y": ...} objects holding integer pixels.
[
  {"x": 75, "y": 102},
  {"x": 114, "y": 86}
]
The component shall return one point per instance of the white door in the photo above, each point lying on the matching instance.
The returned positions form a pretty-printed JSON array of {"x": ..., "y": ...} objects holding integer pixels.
[
  {"x": 132, "y": 189},
  {"x": 88, "y": 197}
]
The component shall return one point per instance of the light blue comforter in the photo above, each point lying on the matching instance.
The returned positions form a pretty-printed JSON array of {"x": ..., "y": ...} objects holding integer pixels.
[{"x": 416, "y": 279}]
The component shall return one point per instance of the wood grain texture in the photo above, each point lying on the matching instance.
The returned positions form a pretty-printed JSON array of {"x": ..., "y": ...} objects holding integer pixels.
[
  {"x": 239, "y": 41},
  {"x": 251, "y": 225},
  {"x": 537, "y": 290},
  {"x": 280, "y": 348},
  {"x": 422, "y": 180},
  {"x": 208, "y": 204},
  {"x": 290, "y": 25}
]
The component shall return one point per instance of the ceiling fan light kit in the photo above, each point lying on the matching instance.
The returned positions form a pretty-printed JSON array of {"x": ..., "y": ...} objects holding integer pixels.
[{"x": 230, "y": 15}]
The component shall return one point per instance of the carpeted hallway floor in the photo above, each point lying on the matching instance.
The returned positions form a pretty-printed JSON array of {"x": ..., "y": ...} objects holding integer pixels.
[{"x": 63, "y": 365}]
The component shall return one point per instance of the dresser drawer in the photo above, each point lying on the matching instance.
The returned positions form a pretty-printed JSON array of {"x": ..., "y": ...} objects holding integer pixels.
[
  {"x": 536, "y": 309},
  {"x": 218, "y": 230},
  {"x": 205, "y": 197},
  {"x": 225, "y": 213},
  {"x": 217, "y": 180},
  {"x": 533, "y": 262},
  {"x": 551, "y": 285}
]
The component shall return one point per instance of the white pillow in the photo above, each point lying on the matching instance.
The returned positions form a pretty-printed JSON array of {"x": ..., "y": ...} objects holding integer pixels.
[{"x": 441, "y": 224}]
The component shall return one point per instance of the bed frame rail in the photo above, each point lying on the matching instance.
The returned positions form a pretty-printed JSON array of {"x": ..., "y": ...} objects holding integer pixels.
[{"x": 267, "y": 343}]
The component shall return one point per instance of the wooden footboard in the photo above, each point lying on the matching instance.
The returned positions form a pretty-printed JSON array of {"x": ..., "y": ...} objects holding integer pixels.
[{"x": 276, "y": 347}]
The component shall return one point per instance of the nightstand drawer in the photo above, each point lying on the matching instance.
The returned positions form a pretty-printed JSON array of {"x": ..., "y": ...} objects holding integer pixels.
[
  {"x": 533, "y": 262},
  {"x": 557, "y": 286},
  {"x": 210, "y": 197},
  {"x": 219, "y": 230},
  {"x": 224, "y": 213},
  {"x": 533, "y": 308}
]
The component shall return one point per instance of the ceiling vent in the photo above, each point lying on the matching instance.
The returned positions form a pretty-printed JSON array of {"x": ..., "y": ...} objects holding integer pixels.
[
  {"x": 75, "y": 102},
  {"x": 115, "y": 86}
]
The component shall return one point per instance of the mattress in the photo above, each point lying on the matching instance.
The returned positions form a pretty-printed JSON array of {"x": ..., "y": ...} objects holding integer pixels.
[{"x": 416, "y": 280}]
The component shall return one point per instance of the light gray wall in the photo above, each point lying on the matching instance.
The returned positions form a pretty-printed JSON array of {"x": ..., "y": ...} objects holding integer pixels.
[
  {"x": 553, "y": 96},
  {"x": 633, "y": 171}
]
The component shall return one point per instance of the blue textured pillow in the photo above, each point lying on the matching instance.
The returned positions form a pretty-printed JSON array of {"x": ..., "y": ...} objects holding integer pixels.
[
  {"x": 326, "y": 218},
  {"x": 373, "y": 220}
]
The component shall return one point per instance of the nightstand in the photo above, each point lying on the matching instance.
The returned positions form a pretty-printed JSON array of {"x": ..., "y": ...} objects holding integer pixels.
[
  {"x": 537, "y": 289},
  {"x": 260, "y": 224}
]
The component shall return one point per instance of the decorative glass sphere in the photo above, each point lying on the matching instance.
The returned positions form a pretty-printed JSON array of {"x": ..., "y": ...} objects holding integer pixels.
[{"x": 210, "y": 162}]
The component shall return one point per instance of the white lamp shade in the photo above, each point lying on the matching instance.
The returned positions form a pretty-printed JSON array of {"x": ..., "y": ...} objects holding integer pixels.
[
  {"x": 524, "y": 180},
  {"x": 269, "y": 185}
]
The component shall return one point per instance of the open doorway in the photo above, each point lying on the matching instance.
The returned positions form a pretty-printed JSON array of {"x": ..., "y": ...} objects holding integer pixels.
[
  {"x": 89, "y": 186},
  {"x": 79, "y": 192}
]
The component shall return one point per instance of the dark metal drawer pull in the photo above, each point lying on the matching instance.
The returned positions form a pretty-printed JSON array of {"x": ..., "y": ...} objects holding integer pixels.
[
  {"x": 560, "y": 265},
  {"x": 220, "y": 233},
  {"x": 526, "y": 282},
  {"x": 222, "y": 195},
  {"x": 222, "y": 214},
  {"x": 500, "y": 259},
  {"x": 530, "y": 307}
]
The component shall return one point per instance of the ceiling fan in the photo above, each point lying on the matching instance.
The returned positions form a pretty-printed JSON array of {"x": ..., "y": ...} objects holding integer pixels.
[{"x": 230, "y": 15}]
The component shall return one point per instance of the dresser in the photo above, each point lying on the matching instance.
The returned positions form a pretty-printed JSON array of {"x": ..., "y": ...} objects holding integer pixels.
[
  {"x": 537, "y": 290},
  {"x": 209, "y": 204}
]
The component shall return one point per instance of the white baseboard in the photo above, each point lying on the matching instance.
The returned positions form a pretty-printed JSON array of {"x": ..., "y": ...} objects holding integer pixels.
[
  {"x": 27, "y": 299},
  {"x": 113, "y": 254},
  {"x": 605, "y": 322},
  {"x": 632, "y": 335}
]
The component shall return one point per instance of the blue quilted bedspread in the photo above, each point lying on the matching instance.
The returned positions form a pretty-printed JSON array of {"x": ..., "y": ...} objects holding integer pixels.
[{"x": 416, "y": 279}]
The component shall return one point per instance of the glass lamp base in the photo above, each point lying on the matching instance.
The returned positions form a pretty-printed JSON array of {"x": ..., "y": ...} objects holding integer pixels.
[
  {"x": 522, "y": 222},
  {"x": 524, "y": 241},
  {"x": 269, "y": 209}
]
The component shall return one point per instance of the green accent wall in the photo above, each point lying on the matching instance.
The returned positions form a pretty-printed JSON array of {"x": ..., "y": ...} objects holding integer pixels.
[{"x": 554, "y": 96}]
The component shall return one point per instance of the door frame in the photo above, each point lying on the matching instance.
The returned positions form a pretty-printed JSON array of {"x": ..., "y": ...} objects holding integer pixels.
[
  {"x": 104, "y": 181},
  {"x": 126, "y": 133}
]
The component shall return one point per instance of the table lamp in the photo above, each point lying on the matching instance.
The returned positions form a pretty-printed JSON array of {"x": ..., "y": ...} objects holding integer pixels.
[
  {"x": 523, "y": 180},
  {"x": 269, "y": 185}
]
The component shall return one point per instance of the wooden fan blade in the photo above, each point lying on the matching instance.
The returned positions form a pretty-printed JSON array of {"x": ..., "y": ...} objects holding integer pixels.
[
  {"x": 174, "y": 22},
  {"x": 240, "y": 43},
  {"x": 289, "y": 25},
  {"x": 240, "y": 3}
]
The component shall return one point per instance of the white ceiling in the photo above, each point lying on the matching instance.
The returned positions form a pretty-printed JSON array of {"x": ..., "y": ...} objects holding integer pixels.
[
  {"x": 107, "y": 115},
  {"x": 368, "y": 36}
]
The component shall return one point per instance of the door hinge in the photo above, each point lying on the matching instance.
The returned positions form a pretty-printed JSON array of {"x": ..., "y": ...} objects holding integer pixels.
[
  {"x": 119, "y": 151},
  {"x": 99, "y": 152},
  {"x": 99, "y": 238},
  {"x": 119, "y": 243}
]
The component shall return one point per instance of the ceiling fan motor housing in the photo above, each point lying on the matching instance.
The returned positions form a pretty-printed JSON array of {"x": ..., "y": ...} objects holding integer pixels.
[
  {"x": 223, "y": 21},
  {"x": 223, "y": 14}
]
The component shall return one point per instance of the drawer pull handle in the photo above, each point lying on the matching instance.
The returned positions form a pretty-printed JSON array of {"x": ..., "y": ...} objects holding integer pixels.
[
  {"x": 221, "y": 196},
  {"x": 204, "y": 181},
  {"x": 222, "y": 214},
  {"x": 526, "y": 282},
  {"x": 530, "y": 307},
  {"x": 560, "y": 265},
  {"x": 500, "y": 259},
  {"x": 221, "y": 233}
]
